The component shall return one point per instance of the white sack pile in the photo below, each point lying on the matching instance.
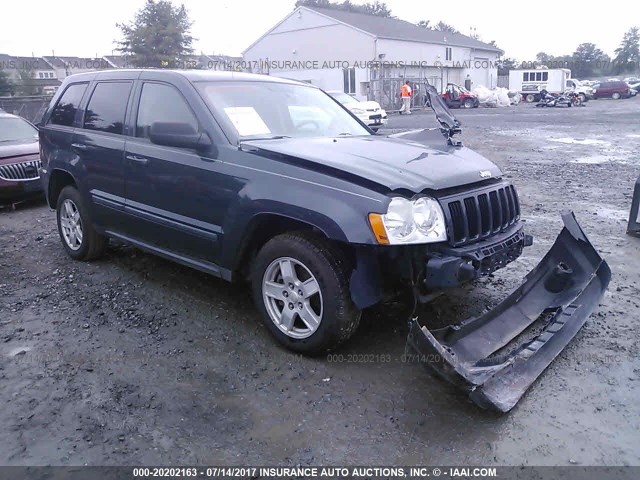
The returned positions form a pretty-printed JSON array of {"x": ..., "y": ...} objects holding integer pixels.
[{"x": 498, "y": 97}]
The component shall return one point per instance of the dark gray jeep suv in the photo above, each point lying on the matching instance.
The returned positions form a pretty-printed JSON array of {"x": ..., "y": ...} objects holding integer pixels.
[{"x": 248, "y": 176}]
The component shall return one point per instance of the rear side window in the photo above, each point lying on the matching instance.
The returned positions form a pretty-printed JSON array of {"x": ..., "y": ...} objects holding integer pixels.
[
  {"x": 107, "y": 106},
  {"x": 162, "y": 103},
  {"x": 65, "y": 110}
]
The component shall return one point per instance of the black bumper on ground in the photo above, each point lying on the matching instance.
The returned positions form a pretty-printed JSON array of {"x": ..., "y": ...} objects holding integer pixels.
[{"x": 497, "y": 356}]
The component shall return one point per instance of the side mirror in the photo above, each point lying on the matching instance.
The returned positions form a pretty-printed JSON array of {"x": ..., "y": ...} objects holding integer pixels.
[{"x": 181, "y": 135}]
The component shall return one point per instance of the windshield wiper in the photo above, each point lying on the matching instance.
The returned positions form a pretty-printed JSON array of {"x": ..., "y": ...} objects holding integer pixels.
[{"x": 274, "y": 137}]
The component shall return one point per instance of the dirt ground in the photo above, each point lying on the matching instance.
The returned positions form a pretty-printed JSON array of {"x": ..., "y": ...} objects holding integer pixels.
[{"x": 135, "y": 360}]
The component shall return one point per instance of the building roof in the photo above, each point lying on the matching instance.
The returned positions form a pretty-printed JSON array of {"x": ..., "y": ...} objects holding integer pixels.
[
  {"x": 396, "y": 29},
  {"x": 77, "y": 62}
]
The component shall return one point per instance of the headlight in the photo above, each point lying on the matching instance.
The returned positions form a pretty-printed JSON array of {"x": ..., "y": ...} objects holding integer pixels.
[{"x": 410, "y": 222}]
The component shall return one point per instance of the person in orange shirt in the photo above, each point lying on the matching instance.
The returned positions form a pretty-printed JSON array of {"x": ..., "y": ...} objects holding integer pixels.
[{"x": 405, "y": 93}]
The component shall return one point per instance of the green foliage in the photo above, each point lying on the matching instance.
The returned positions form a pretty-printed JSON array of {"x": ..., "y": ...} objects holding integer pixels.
[
  {"x": 506, "y": 64},
  {"x": 588, "y": 60},
  {"x": 27, "y": 84},
  {"x": 159, "y": 35},
  {"x": 445, "y": 27},
  {"x": 376, "y": 8},
  {"x": 6, "y": 85},
  {"x": 628, "y": 53}
]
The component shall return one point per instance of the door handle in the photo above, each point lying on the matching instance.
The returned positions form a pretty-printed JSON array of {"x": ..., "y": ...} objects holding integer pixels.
[
  {"x": 80, "y": 146},
  {"x": 137, "y": 159}
]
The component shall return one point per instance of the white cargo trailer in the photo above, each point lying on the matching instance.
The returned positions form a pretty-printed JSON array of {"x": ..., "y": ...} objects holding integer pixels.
[{"x": 529, "y": 83}]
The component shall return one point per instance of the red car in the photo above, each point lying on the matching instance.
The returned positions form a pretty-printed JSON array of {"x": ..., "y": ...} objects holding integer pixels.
[
  {"x": 612, "y": 89},
  {"x": 456, "y": 96},
  {"x": 19, "y": 159}
]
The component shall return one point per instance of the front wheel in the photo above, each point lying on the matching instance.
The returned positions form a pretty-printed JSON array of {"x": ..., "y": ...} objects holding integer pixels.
[
  {"x": 468, "y": 103},
  {"x": 301, "y": 287},
  {"x": 79, "y": 238}
]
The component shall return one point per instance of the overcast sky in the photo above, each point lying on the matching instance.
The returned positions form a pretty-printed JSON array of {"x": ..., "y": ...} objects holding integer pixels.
[{"x": 87, "y": 28}]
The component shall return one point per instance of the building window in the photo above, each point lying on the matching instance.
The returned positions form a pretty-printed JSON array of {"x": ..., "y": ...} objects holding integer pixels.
[
  {"x": 448, "y": 55},
  {"x": 349, "y": 77},
  {"x": 40, "y": 75}
]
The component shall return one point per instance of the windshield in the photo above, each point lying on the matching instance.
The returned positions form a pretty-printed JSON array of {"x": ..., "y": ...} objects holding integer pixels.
[
  {"x": 343, "y": 98},
  {"x": 264, "y": 110},
  {"x": 14, "y": 128}
]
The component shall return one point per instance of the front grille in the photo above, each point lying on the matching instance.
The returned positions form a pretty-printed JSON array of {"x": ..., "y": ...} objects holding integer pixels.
[
  {"x": 21, "y": 171},
  {"x": 477, "y": 215}
]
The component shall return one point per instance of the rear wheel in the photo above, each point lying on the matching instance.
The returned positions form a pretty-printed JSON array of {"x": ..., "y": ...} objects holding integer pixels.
[
  {"x": 582, "y": 97},
  {"x": 301, "y": 287},
  {"x": 79, "y": 238},
  {"x": 530, "y": 98},
  {"x": 616, "y": 96}
]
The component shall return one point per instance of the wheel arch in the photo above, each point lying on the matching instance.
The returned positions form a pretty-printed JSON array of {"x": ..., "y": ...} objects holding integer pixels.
[{"x": 58, "y": 179}]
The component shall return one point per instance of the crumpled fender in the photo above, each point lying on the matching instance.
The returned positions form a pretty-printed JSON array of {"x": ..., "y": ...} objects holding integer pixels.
[{"x": 487, "y": 355}]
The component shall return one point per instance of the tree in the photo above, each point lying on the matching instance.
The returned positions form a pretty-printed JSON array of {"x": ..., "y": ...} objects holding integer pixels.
[
  {"x": 587, "y": 59},
  {"x": 159, "y": 35},
  {"x": 506, "y": 64},
  {"x": 376, "y": 8},
  {"x": 445, "y": 27},
  {"x": 544, "y": 58},
  {"x": 424, "y": 24},
  {"x": 628, "y": 53},
  {"x": 6, "y": 85},
  {"x": 27, "y": 84}
]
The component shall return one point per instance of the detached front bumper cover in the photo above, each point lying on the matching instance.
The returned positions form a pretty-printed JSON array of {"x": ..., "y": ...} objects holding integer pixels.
[{"x": 486, "y": 355}]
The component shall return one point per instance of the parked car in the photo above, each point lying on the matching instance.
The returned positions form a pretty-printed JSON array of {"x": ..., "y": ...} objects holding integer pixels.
[
  {"x": 634, "y": 87},
  {"x": 19, "y": 159},
  {"x": 456, "y": 96},
  {"x": 241, "y": 176},
  {"x": 611, "y": 89},
  {"x": 369, "y": 112}
]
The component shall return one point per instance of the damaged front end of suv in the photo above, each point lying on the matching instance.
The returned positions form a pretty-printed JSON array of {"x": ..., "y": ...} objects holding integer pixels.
[{"x": 497, "y": 356}]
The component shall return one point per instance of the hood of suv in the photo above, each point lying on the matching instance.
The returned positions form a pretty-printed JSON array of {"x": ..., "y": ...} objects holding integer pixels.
[{"x": 393, "y": 162}]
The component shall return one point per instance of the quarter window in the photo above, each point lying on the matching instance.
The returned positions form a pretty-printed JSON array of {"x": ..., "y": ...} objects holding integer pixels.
[
  {"x": 106, "y": 109},
  {"x": 162, "y": 103},
  {"x": 65, "y": 110}
]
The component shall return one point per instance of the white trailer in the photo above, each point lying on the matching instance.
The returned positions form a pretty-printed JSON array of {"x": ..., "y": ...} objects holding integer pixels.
[{"x": 529, "y": 83}]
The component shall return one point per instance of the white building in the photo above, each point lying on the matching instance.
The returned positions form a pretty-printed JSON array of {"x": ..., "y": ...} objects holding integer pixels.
[{"x": 368, "y": 56}]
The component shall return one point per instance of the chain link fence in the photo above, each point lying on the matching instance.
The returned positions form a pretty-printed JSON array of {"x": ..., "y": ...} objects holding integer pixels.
[
  {"x": 32, "y": 108},
  {"x": 386, "y": 91}
]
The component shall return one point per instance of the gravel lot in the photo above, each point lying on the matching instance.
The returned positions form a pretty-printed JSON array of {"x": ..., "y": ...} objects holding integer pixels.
[{"x": 135, "y": 360}]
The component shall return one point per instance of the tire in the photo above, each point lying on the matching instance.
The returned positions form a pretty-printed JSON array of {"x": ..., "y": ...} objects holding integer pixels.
[
  {"x": 74, "y": 223},
  {"x": 336, "y": 317},
  {"x": 616, "y": 96},
  {"x": 468, "y": 103},
  {"x": 530, "y": 98},
  {"x": 582, "y": 97}
]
